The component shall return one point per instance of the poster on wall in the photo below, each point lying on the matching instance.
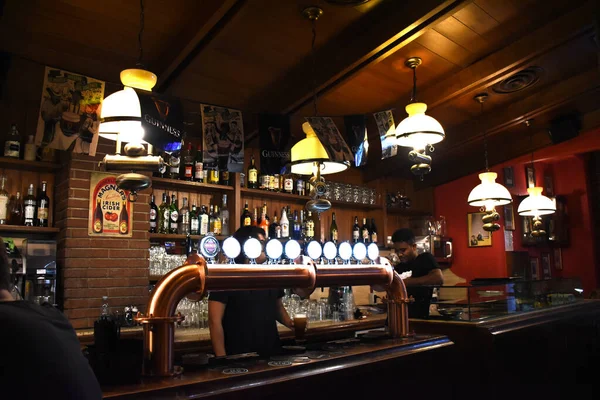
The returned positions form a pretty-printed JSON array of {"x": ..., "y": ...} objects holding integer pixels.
[
  {"x": 110, "y": 213},
  {"x": 275, "y": 143},
  {"x": 356, "y": 136},
  {"x": 331, "y": 139},
  {"x": 69, "y": 112},
  {"x": 476, "y": 235},
  {"x": 223, "y": 137},
  {"x": 387, "y": 133}
]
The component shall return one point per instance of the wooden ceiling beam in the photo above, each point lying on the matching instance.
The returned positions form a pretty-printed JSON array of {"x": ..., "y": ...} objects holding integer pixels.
[
  {"x": 203, "y": 36},
  {"x": 370, "y": 39}
]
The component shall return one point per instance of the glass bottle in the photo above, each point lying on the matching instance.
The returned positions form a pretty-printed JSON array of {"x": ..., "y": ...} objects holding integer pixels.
[
  {"x": 12, "y": 145},
  {"x": 333, "y": 230},
  {"x": 194, "y": 221},
  {"x": 153, "y": 215},
  {"x": 174, "y": 162},
  {"x": 303, "y": 225},
  {"x": 255, "y": 217},
  {"x": 29, "y": 206},
  {"x": 275, "y": 228},
  {"x": 364, "y": 231},
  {"x": 300, "y": 186},
  {"x": 164, "y": 215},
  {"x": 264, "y": 222},
  {"x": 285, "y": 224},
  {"x": 174, "y": 215},
  {"x": 224, "y": 177},
  {"x": 355, "y": 231},
  {"x": 224, "y": 217},
  {"x": 4, "y": 201},
  {"x": 203, "y": 218},
  {"x": 213, "y": 175},
  {"x": 184, "y": 218},
  {"x": 246, "y": 219},
  {"x": 199, "y": 166},
  {"x": 124, "y": 219},
  {"x": 252, "y": 174},
  {"x": 288, "y": 183},
  {"x": 188, "y": 164},
  {"x": 373, "y": 231},
  {"x": 16, "y": 210},
  {"x": 211, "y": 216},
  {"x": 217, "y": 225},
  {"x": 43, "y": 207},
  {"x": 30, "y": 149},
  {"x": 297, "y": 228},
  {"x": 98, "y": 218},
  {"x": 310, "y": 227}
]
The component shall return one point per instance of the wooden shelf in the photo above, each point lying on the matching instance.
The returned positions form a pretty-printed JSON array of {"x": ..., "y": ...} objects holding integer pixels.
[
  {"x": 173, "y": 237},
  {"x": 360, "y": 206},
  {"x": 408, "y": 213},
  {"x": 164, "y": 183},
  {"x": 265, "y": 194},
  {"x": 27, "y": 229},
  {"x": 38, "y": 166}
]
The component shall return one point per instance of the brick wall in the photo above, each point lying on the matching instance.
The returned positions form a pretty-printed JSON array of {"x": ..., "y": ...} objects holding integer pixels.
[{"x": 95, "y": 267}]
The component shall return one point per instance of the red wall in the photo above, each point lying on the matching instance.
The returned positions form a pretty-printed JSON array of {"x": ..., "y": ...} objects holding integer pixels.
[{"x": 570, "y": 179}]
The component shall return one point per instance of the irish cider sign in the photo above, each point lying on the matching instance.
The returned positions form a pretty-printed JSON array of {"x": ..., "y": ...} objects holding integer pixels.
[{"x": 110, "y": 213}]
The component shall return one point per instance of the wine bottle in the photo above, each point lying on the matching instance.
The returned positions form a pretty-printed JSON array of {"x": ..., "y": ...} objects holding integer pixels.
[
  {"x": 16, "y": 211},
  {"x": 124, "y": 219},
  {"x": 246, "y": 219},
  {"x": 30, "y": 206},
  {"x": 98, "y": 218},
  {"x": 4, "y": 198},
  {"x": 188, "y": 164},
  {"x": 194, "y": 221},
  {"x": 285, "y": 224},
  {"x": 302, "y": 225},
  {"x": 164, "y": 215},
  {"x": 364, "y": 231},
  {"x": 224, "y": 217},
  {"x": 333, "y": 230},
  {"x": 153, "y": 215},
  {"x": 355, "y": 231},
  {"x": 184, "y": 218},
  {"x": 203, "y": 217},
  {"x": 217, "y": 224},
  {"x": 373, "y": 231},
  {"x": 43, "y": 207},
  {"x": 174, "y": 215},
  {"x": 310, "y": 227},
  {"x": 252, "y": 174},
  {"x": 211, "y": 216},
  {"x": 199, "y": 166}
]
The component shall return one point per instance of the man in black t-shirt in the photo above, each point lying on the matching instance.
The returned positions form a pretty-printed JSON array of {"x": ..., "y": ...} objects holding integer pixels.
[
  {"x": 425, "y": 272},
  {"x": 40, "y": 355},
  {"x": 246, "y": 321}
]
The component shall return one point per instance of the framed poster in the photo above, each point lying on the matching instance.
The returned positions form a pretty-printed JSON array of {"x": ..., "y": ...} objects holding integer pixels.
[
  {"x": 530, "y": 176},
  {"x": 223, "y": 137},
  {"x": 110, "y": 211},
  {"x": 476, "y": 236},
  {"x": 509, "y": 177},
  {"x": 558, "y": 258},
  {"x": 546, "y": 271},
  {"x": 509, "y": 218},
  {"x": 534, "y": 264}
]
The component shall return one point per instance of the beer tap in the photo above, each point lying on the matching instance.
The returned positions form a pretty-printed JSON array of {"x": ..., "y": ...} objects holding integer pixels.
[
  {"x": 330, "y": 252},
  {"x": 274, "y": 250},
  {"x": 252, "y": 249},
  {"x": 359, "y": 252},
  {"x": 373, "y": 252},
  {"x": 345, "y": 252},
  {"x": 209, "y": 248},
  {"x": 314, "y": 250},
  {"x": 231, "y": 249},
  {"x": 292, "y": 250}
]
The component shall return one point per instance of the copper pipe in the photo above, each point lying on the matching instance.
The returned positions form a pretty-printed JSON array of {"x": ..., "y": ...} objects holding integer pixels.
[
  {"x": 249, "y": 277},
  {"x": 351, "y": 275}
]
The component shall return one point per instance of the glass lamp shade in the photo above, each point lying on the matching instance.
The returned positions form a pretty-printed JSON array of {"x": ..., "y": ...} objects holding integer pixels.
[
  {"x": 489, "y": 193},
  {"x": 418, "y": 130},
  {"x": 536, "y": 204},
  {"x": 310, "y": 150},
  {"x": 121, "y": 113},
  {"x": 138, "y": 78}
]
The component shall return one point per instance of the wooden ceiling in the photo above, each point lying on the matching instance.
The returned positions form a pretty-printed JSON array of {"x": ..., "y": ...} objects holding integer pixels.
[{"x": 255, "y": 55}]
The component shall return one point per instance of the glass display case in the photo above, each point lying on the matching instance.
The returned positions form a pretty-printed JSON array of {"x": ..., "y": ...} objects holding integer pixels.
[{"x": 488, "y": 299}]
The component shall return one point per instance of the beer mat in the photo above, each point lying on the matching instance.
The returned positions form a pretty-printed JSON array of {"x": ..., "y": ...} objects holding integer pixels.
[
  {"x": 300, "y": 359},
  {"x": 279, "y": 363},
  {"x": 317, "y": 355}
]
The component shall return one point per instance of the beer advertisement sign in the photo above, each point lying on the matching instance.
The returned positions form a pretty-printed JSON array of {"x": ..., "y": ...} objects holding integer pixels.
[{"x": 110, "y": 213}]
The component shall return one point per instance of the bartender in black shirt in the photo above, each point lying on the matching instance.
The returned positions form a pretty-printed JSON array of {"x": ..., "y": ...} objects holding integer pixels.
[
  {"x": 246, "y": 321},
  {"x": 425, "y": 272}
]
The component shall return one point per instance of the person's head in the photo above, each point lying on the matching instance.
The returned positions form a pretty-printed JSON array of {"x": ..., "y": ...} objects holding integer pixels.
[
  {"x": 4, "y": 269},
  {"x": 404, "y": 243},
  {"x": 245, "y": 233}
]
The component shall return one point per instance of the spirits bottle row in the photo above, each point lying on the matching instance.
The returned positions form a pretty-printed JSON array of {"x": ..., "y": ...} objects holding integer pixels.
[
  {"x": 28, "y": 211},
  {"x": 13, "y": 148},
  {"x": 169, "y": 218},
  {"x": 286, "y": 183}
]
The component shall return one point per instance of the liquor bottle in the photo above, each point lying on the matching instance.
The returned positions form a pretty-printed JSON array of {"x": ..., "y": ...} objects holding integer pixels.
[
  {"x": 30, "y": 149},
  {"x": 213, "y": 175},
  {"x": 288, "y": 183},
  {"x": 174, "y": 215},
  {"x": 194, "y": 221},
  {"x": 300, "y": 186},
  {"x": 264, "y": 222},
  {"x": 12, "y": 145},
  {"x": 164, "y": 215},
  {"x": 211, "y": 215},
  {"x": 43, "y": 207},
  {"x": 188, "y": 164},
  {"x": 98, "y": 218},
  {"x": 224, "y": 217},
  {"x": 297, "y": 228},
  {"x": 4, "y": 201},
  {"x": 153, "y": 215},
  {"x": 285, "y": 224},
  {"x": 174, "y": 163},
  {"x": 216, "y": 223},
  {"x": 16, "y": 211},
  {"x": 124, "y": 219},
  {"x": 203, "y": 218},
  {"x": 275, "y": 179},
  {"x": 255, "y": 217},
  {"x": 302, "y": 225},
  {"x": 333, "y": 230},
  {"x": 373, "y": 231},
  {"x": 355, "y": 231},
  {"x": 266, "y": 213},
  {"x": 199, "y": 166},
  {"x": 30, "y": 207},
  {"x": 162, "y": 171},
  {"x": 364, "y": 231},
  {"x": 275, "y": 228},
  {"x": 224, "y": 177},
  {"x": 252, "y": 175},
  {"x": 184, "y": 218},
  {"x": 310, "y": 227},
  {"x": 246, "y": 219}
]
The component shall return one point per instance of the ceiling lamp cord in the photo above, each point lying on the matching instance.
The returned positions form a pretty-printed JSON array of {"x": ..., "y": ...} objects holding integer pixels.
[
  {"x": 528, "y": 124},
  {"x": 140, "y": 33},
  {"x": 413, "y": 97},
  {"x": 485, "y": 146},
  {"x": 314, "y": 64}
]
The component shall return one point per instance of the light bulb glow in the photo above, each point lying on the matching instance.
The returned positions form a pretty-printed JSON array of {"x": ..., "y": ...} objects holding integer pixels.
[
  {"x": 536, "y": 204},
  {"x": 418, "y": 130},
  {"x": 489, "y": 193}
]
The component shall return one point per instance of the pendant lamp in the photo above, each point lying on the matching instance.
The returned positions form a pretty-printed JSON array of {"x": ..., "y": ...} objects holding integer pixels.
[
  {"x": 488, "y": 194},
  {"x": 308, "y": 155}
]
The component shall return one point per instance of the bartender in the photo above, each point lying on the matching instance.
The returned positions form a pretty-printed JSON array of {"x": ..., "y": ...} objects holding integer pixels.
[
  {"x": 246, "y": 321},
  {"x": 426, "y": 272}
]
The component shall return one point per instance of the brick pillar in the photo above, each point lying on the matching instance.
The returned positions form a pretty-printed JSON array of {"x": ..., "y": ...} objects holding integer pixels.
[{"x": 93, "y": 267}]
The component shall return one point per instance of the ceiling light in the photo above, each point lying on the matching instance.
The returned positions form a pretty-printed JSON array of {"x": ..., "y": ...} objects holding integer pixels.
[{"x": 309, "y": 153}]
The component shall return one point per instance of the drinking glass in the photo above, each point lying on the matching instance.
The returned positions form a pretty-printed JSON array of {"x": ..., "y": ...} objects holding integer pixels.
[
  {"x": 355, "y": 194},
  {"x": 300, "y": 325},
  {"x": 338, "y": 192},
  {"x": 348, "y": 193}
]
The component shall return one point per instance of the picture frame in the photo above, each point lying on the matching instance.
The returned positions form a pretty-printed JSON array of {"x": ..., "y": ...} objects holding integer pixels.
[
  {"x": 548, "y": 186},
  {"x": 534, "y": 264},
  {"x": 476, "y": 236},
  {"x": 509, "y": 177},
  {"x": 509, "y": 218},
  {"x": 546, "y": 269},
  {"x": 530, "y": 176},
  {"x": 558, "y": 259}
]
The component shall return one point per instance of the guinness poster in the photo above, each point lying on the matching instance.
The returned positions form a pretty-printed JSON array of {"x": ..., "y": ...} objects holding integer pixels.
[
  {"x": 356, "y": 136},
  {"x": 162, "y": 120},
  {"x": 275, "y": 143},
  {"x": 110, "y": 213},
  {"x": 223, "y": 137},
  {"x": 387, "y": 133},
  {"x": 331, "y": 139}
]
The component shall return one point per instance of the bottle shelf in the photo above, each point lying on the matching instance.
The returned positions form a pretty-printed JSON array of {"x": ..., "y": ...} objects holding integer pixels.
[
  {"x": 265, "y": 194},
  {"x": 37, "y": 166},
  {"x": 27, "y": 229},
  {"x": 164, "y": 183},
  {"x": 173, "y": 236}
]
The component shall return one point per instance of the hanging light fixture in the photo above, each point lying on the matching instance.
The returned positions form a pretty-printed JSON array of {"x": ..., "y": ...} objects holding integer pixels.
[
  {"x": 308, "y": 155},
  {"x": 121, "y": 121},
  {"x": 488, "y": 194},
  {"x": 418, "y": 130},
  {"x": 536, "y": 204}
]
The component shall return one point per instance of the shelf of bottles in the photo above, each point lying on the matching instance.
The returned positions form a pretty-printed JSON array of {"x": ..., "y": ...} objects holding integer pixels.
[
  {"x": 25, "y": 165},
  {"x": 176, "y": 184},
  {"x": 27, "y": 229},
  {"x": 175, "y": 236}
]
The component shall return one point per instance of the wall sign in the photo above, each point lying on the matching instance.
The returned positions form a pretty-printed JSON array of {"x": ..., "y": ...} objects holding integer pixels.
[{"x": 110, "y": 213}]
